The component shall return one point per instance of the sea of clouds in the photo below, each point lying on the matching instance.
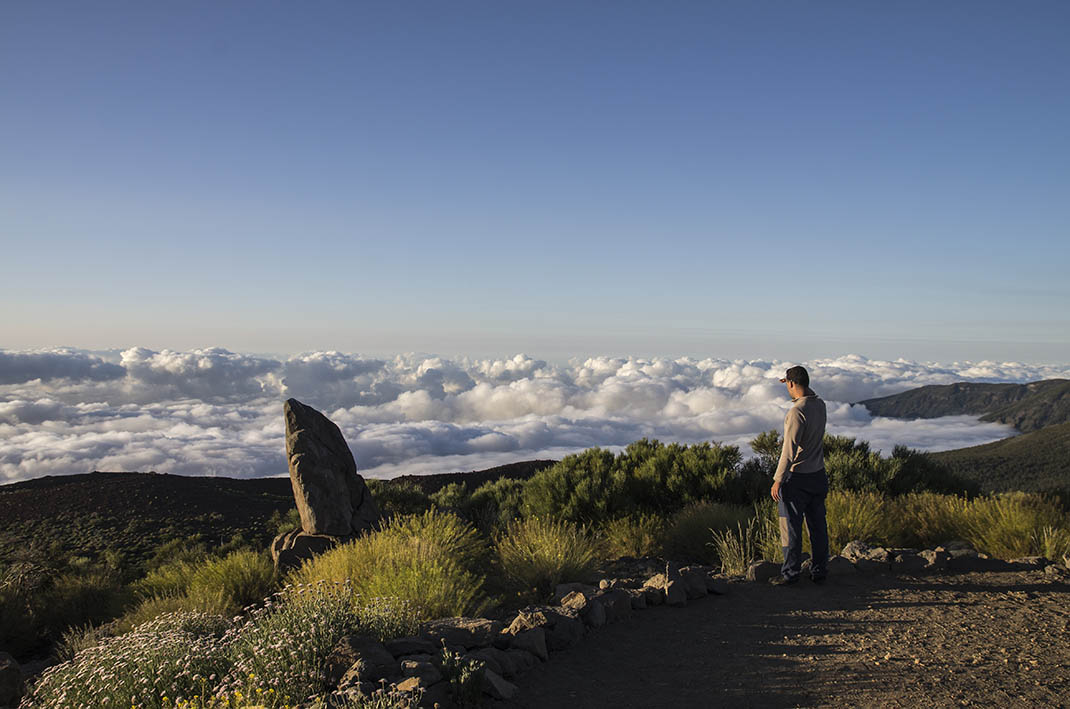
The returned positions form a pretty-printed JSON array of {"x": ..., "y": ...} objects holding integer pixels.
[{"x": 216, "y": 412}]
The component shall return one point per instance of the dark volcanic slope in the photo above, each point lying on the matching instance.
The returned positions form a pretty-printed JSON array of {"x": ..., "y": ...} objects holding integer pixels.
[
  {"x": 516, "y": 471},
  {"x": 1027, "y": 407},
  {"x": 1035, "y": 462},
  {"x": 135, "y": 512}
]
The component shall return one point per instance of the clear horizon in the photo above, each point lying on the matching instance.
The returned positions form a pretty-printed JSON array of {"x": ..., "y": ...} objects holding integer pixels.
[{"x": 478, "y": 179}]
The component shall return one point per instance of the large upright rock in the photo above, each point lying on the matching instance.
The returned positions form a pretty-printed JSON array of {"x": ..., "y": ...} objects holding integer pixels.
[{"x": 331, "y": 497}]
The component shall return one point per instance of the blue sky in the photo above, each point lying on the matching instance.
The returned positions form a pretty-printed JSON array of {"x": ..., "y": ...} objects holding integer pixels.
[{"x": 751, "y": 179}]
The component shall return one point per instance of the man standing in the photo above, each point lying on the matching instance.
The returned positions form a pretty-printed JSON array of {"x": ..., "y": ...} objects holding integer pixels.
[{"x": 800, "y": 483}]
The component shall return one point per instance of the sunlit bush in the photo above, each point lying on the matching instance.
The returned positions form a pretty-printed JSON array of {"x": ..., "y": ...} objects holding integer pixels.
[
  {"x": 639, "y": 534},
  {"x": 430, "y": 560},
  {"x": 538, "y": 553}
]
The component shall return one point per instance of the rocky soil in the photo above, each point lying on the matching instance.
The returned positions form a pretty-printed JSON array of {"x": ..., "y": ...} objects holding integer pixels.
[{"x": 949, "y": 639}]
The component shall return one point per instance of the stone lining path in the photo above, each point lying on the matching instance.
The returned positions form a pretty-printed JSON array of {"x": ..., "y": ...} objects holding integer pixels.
[{"x": 986, "y": 638}]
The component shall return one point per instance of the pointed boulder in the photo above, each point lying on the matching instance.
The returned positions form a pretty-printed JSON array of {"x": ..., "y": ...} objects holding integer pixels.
[{"x": 331, "y": 497}]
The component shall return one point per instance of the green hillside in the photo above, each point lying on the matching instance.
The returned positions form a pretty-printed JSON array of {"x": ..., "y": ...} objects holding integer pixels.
[
  {"x": 1027, "y": 407},
  {"x": 1035, "y": 462}
]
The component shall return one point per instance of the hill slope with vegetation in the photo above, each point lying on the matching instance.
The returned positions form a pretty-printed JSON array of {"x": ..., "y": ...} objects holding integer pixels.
[
  {"x": 1034, "y": 462},
  {"x": 1027, "y": 407}
]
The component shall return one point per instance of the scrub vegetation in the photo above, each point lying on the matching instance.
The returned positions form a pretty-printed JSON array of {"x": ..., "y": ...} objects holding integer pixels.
[{"x": 193, "y": 624}]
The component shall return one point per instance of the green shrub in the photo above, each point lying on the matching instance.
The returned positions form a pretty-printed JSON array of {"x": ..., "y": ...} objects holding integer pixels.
[
  {"x": 167, "y": 579},
  {"x": 1052, "y": 543},
  {"x": 495, "y": 504},
  {"x": 150, "y": 609},
  {"x": 430, "y": 560},
  {"x": 664, "y": 478},
  {"x": 171, "y": 656},
  {"x": 925, "y": 519},
  {"x": 639, "y": 534},
  {"x": 735, "y": 549},
  {"x": 396, "y": 499},
  {"x": 281, "y": 648},
  {"x": 690, "y": 532},
  {"x": 767, "y": 531},
  {"x": 854, "y": 515},
  {"x": 538, "y": 553},
  {"x": 226, "y": 585},
  {"x": 581, "y": 488},
  {"x": 76, "y": 599},
  {"x": 452, "y": 496},
  {"x": 1004, "y": 526}
]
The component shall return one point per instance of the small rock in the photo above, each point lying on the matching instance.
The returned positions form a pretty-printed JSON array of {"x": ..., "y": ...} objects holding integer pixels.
[
  {"x": 654, "y": 596},
  {"x": 424, "y": 669},
  {"x": 604, "y": 584},
  {"x": 564, "y": 589},
  {"x": 762, "y": 571},
  {"x": 909, "y": 562},
  {"x": 694, "y": 582},
  {"x": 498, "y": 660},
  {"x": 638, "y": 598},
  {"x": 1030, "y": 563},
  {"x": 935, "y": 559},
  {"x": 468, "y": 633},
  {"x": 359, "y": 658},
  {"x": 533, "y": 641},
  {"x": 497, "y": 687},
  {"x": 840, "y": 565},
  {"x": 522, "y": 660},
  {"x": 618, "y": 604},
  {"x": 411, "y": 646}
]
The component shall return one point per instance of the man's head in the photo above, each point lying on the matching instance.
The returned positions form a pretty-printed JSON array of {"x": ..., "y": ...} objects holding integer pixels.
[{"x": 798, "y": 381}]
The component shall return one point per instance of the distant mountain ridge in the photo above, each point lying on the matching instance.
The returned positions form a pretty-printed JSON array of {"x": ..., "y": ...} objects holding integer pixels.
[
  {"x": 1038, "y": 461},
  {"x": 1027, "y": 407}
]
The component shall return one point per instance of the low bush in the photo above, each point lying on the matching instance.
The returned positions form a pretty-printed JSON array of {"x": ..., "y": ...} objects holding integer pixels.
[
  {"x": 495, "y": 504},
  {"x": 1052, "y": 543},
  {"x": 1006, "y": 525},
  {"x": 228, "y": 584},
  {"x": 170, "y": 657},
  {"x": 538, "y": 553},
  {"x": 75, "y": 599},
  {"x": 451, "y": 497},
  {"x": 430, "y": 560},
  {"x": 171, "y": 579},
  {"x": 398, "y": 499},
  {"x": 148, "y": 609},
  {"x": 583, "y": 488},
  {"x": 735, "y": 549},
  {"x": 854, "y": 515},
  {"x": 924, "y": 520},
  {"x": 690, "y": 530},
  {"x": 278, "y": 653},
  {"x": 639, "y": 534}
]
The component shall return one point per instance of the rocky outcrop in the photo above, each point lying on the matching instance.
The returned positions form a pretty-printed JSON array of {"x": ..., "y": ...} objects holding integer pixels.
[
  {"x": 331, "y": 497},
  {"x": 334, "y": 502}
]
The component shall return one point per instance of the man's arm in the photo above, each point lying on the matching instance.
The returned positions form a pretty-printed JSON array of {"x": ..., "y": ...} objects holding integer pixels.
[{"x": 788, "y": 451}]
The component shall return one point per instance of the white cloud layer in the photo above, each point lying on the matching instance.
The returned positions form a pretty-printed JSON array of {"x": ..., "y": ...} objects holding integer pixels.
[{"x": 215, "y": 412}]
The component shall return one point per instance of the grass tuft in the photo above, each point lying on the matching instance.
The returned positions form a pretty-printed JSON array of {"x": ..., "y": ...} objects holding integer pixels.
[{"x": 539, "y": 553}]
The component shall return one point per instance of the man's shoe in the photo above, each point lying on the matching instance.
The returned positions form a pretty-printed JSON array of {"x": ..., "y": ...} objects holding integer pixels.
[{"x": 783, "y": 580}]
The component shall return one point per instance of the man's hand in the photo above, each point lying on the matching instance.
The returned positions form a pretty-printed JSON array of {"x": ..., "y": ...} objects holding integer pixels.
[{"x": 775, "y": 492}]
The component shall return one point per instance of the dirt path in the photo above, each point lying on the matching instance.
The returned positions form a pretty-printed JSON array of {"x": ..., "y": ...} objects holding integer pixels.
[{"x": 989, "y": 639}]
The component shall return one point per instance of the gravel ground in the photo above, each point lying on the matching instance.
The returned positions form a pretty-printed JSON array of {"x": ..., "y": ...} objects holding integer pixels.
[{"x": 976, "y": 639}]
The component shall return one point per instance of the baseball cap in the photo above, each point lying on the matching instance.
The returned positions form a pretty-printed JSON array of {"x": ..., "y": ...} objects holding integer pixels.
[{"x": 798, "y": 375}]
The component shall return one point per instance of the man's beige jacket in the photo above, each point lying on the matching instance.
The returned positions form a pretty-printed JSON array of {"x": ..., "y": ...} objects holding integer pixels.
[{"x": 804, "y": 431}]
